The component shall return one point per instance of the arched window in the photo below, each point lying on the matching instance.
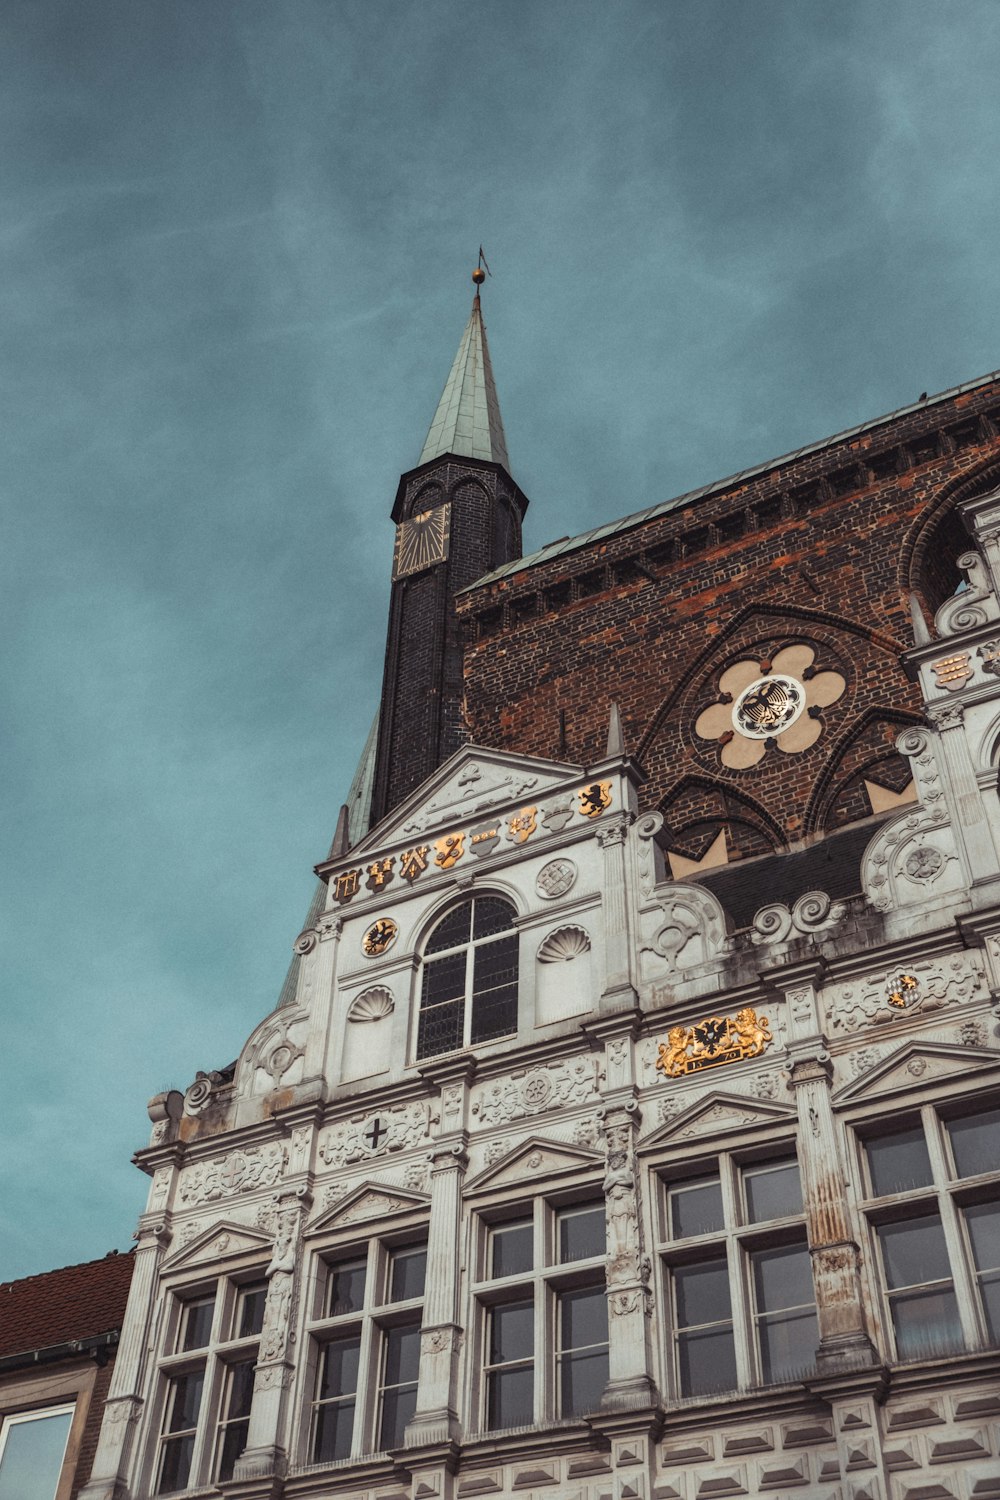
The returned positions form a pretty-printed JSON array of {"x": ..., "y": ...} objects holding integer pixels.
[{"x": 469, "y": 986}]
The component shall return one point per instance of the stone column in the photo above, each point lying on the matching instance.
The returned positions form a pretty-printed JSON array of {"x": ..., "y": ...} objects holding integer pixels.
[
  {"x": 630, "y": 1382},
  {"x": 965, "y": 799},
  {"x": 265, "y": 1452},
  {"x": 844, "y": 1343},
  {"x": 435, "y": 1419},
  {"x": 618, "y": 990},
  {"x": 123, "y": 1408}
]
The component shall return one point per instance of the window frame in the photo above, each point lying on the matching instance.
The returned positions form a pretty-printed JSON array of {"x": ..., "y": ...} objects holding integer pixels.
[
  {"x": 372, "y": 1320},
  {"x": 734, "y": 1244},
  {"x": 544, "y": 1283},
  {"x": 59, "y": 1407},
  {"x": 469, "y": 948},
  {"x": 945, "y": 1196},
  {"x": 216, "y": 1358}
]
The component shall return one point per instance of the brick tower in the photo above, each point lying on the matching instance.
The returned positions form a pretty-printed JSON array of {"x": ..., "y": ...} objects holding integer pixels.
[{"x": 458, "y": 516}]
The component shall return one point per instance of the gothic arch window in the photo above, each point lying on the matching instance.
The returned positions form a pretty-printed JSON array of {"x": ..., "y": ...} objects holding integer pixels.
[
  {"x": 425, "y": 499},
  {"x": 468, "y": 982}
]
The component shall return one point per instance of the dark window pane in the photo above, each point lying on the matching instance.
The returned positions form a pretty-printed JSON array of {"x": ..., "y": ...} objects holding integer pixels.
[
  {"x": 509, "y": 1398},
  {"x": 914, "y": 1251},
  {"x": 240, "y": 1389},
  {"x": 696, "y": 1208},
  {"x": 339, "y": 1371},
  {"x": 584, "y": 1318},
  {"x": 494, "y": 1014},
  {"x": 185, "y": 1401},
  {"x": 926, "y": 1323},
  {"x": 495, "y": 964},
  {"x": 397, "y": 1408},
  {"x": 512, "y": 1332},
  {"x": 334, "y": 1431},
  {"x": 983, "y": 1220},
  {"x": 406, "y": 1278},
  {"x": 197, "y": 1323},
  {"x": 402, "y": 1355},
  {"x": 788, "y": 1346},
  {"x": 453, "y": 930},
  {"x": 440, "y": 1029},
  {"x": 234, "y": 1440},
  {"x": 583, "y": 1378},
  {"x": 782, "y": 1278},
  {"x": 702, "y": 1294},
  {"x": 492, "y": 915},
  {"x": 444, "y": 979},
  {"x": 582, "y": 1233},
  {"x": 990, "y": 1288},
  {"x": 707, "y": 1361},
  {"x": 773, "y": 1191},
  {"x": 512, "y": 1249},
  {"x": 346, "y": 1290},
  {"x": 250, "y": 1313},
  {"x": 975, "y": 1143},
  {"x": 898, "y": 1162},
  {"x": 175, "y": 1464},
  {"x": 33, "y": 1457}
]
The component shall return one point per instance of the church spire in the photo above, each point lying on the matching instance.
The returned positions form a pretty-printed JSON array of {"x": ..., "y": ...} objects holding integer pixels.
[{"x": 467, "y": 421}]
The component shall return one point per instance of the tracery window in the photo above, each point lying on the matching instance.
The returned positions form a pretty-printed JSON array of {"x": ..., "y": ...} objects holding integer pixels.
[
  {"x": 367, "y": 1341},
  {"x": 544, "y": 1311},
  {"x": 739, "y": 1275},
  {"x": 208, "y": 1373},
  {"x": 933, "y": 1205},
  {"x": 469, "y": 979}
]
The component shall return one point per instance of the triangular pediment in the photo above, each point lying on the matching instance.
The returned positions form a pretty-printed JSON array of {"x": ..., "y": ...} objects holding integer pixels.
[
  {"x": 367, "y": 1200},
  {"x": 718, "y": 1114},
  {"x": 221, "y": 1242},
  {"x": 472, "y": 784},
  {"x": 916, "y": 1064},
  {"x": 529, "y": 1161}
]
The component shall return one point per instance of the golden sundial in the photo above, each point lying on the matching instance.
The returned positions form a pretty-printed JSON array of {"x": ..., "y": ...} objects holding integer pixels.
[{"x": 422, "y": 541}]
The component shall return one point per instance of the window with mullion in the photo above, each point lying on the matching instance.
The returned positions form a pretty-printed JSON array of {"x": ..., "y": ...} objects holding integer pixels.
[
  {"x": 468, "y": 989},
  {"x": 742, "y": 1308},
  {"x": 938, "y": 1240}
]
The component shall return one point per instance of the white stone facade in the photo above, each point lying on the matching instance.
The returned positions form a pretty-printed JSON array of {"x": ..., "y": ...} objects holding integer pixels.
[{"x": 863, "y": 1045}]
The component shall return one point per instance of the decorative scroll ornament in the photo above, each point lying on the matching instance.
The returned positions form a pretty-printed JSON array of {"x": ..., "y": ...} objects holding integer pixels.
[
  {"x": 379, "y": 937},
  {"x": 564, "y": 944},
  {"x": 777, "y": 702},
  {"x": 713, "y": 1041}
]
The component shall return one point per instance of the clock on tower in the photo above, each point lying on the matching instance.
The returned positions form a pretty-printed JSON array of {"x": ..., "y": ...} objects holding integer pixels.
[{"x": 422, "y": 541}]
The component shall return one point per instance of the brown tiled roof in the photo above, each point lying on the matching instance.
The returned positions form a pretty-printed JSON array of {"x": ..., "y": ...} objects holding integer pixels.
[{"x": 56, "y": 1307}]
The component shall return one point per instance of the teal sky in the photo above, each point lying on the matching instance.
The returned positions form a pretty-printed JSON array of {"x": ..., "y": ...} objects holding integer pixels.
[{"x": 236, "y": 238}]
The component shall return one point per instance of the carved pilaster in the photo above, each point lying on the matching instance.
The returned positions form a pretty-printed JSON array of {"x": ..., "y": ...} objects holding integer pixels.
[
  {"x": 435, "y": 1419},
  {"x": 844, "y": 1343},
  {"x": 619, "y": 989},
  {"x": 962, "y": 793},
  {"x": 630, "y": 1381},
  {"x": 264, "y": 1453}
]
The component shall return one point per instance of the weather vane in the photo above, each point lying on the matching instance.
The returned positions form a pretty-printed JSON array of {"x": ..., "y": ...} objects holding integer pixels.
[{"x": 482, "y": 270}]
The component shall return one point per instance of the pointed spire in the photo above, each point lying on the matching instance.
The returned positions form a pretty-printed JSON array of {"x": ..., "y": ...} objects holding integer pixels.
[
  {"x": 468, "y": 421},
  {"x": 342, "y": 838},
  {"x": 616, "y": 735}
]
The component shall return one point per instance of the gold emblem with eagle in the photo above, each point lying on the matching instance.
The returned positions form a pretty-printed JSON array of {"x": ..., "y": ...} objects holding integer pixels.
[{"x": 422, "y": 541}]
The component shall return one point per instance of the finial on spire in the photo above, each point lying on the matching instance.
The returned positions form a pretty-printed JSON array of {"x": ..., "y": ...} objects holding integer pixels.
[{"x": 482, "y": 270}]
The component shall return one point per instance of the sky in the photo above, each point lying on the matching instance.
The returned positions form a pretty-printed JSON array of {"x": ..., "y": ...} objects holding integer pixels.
[{"x": 236, "y": 238}]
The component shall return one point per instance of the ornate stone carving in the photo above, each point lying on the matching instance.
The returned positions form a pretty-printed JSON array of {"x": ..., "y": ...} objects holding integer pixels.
[
  {"x": 531, "y": 1093},
  {"x": 305, "y": 942},
  {"x": 912, "y": 854},
  {"x": 388, "y": 1130},
  {"x": 974, "y": 606},
  {"x": 238, "y": 1172},
  {"x": 939, "y": 983},
  {"x": 973, "y": 1033},
  {"x": 469, "y": 793},
  {"x": 714, "y": 1041},
  {"x": 556, "y": 878},
  {"x": 563, "y": 945},
  {"x": 372, "y": 1004},
  {"x": 692, "y": 932},
  {"x": 812, "y": 914},
  {"x": 947, "y": 716}
]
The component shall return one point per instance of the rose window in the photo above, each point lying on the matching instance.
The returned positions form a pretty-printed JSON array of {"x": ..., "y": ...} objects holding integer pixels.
[{"x": 767, "y": 703}]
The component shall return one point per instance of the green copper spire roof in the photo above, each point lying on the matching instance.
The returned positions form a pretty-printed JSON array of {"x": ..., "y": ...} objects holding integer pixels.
[{"x": 468, "y": 421}]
